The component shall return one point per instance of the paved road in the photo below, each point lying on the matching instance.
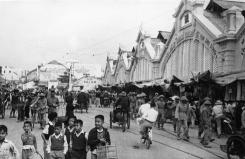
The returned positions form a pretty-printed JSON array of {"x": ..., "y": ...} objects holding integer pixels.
[{"x": 164, "y": 145}]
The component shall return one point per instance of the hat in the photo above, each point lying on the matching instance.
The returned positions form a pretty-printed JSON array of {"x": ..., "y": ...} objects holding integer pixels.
[
  {"x": 42, "y": 94},
  {"x": 58, "y": 124},
  {"x": 207, "y": 102},
  {"x": 218, "y": 102},
  {"x": 183, "y": 98},
  {"x": 207, "y": 98},
  {"x": 175, "y": 98},
  {"x": 161, "y": 96},
  {"x": 123, "y": 93}
]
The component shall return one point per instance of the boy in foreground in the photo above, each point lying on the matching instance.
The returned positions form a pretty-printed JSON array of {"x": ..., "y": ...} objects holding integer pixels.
[
  {"x": 7, "y": 148},
  {"x": 98, "y": 136}
]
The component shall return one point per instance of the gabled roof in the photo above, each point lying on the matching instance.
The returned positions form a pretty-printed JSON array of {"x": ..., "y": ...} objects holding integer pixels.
[
  {"x": 223, "y": 5},
  {"x": 54, "y": 62},
  {"x": 163, "y": 36}
]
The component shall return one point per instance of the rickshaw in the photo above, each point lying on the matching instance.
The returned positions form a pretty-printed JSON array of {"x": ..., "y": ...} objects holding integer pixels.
[
  {"x": 116, "y": 116},
  {"x": 235, "y": 146}
]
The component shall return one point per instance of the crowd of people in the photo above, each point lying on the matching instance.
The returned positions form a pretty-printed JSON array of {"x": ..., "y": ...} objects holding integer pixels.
[
  {"x": 211, "y": 117},
  {"x": 70, "y": 141}
]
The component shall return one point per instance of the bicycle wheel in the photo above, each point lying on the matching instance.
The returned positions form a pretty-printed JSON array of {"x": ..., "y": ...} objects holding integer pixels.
[{"x": 147, "y": 143}]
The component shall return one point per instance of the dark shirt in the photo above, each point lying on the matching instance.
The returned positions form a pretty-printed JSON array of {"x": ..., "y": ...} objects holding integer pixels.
[{"x": 94, "y": 141}]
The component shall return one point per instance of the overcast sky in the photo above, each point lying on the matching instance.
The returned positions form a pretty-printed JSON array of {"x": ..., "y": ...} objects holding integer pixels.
[{"x": 36, "y": 31}]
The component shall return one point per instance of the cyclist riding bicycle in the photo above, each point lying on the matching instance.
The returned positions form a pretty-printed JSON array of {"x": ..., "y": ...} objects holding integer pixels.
[{"x": 148, "y": 116}]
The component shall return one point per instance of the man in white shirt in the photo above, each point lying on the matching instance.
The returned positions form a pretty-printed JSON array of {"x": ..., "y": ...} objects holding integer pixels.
[{"x": 148, "y": 116}]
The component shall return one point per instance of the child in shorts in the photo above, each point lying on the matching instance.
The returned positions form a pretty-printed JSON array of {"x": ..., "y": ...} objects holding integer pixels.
[{"x": 29, "y": 142}]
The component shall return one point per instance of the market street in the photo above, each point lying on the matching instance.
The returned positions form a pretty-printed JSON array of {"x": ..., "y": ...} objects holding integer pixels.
[{"x": 164, "y": 142}]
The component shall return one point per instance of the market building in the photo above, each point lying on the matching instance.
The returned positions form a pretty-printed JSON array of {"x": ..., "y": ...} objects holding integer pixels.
[
  {"x": 123, "y": 65},
  {"x": 190, "y": 48},
  {"x": 145, "y": 66},
  {"x": 108, "y": 78}
]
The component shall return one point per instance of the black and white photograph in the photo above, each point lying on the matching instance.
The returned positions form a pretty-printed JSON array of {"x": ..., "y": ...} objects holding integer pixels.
[{"x": 122, "y": 79}]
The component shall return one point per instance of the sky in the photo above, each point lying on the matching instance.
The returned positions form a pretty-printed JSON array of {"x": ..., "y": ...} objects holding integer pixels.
[{"x": 38, "y": 31}]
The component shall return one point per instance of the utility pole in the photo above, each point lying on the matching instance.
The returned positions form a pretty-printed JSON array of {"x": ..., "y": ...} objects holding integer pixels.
[{"x": 71, "y": 64}]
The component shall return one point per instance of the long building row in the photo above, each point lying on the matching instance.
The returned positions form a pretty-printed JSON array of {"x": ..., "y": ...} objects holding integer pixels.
[{"x": 207, "y": 35}]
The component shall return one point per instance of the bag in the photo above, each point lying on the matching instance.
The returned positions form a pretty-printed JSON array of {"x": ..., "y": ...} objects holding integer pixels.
[{"x": 107, "y": 152}]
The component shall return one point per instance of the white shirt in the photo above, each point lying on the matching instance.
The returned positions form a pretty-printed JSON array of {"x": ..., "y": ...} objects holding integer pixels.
[
  {"x": 8, "y": 150},
  {"x": 143, "y": 109},
  {"x": 150, "y": 115},
  {"x": 46, "y": 128},
  {"x": 218, "y": 110}
]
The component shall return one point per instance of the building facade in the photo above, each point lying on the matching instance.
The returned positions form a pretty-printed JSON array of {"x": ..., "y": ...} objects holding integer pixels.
[
  {"x": 190, "y": 48},
  {"x": 108, "y": 78},
  {"x": 124, "y": 61},
  {"x": 146, "y": 54}
]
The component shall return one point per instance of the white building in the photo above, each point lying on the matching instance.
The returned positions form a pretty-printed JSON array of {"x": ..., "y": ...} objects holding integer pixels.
[{"x": 11, "y": 73}]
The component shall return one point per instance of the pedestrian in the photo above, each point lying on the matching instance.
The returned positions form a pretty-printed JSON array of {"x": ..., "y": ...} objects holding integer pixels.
[
  {"x": 98, "y": 136},
  {"x": 192, "y": 115},
  {"x": 27, "y": 106},
  {"x": 42, "y": 110},
  {"x": 206, "y": 117},
  {"x": 200, "y": 127},
  {"x": 8, "y": 149},
  {"x": 182, "y": 110},
  {"x": 57, "y": 144},
  {"x": 20, "y": 107},
  {"x": 133, "y": 100},
  {"x": 52, "y": 102},
  {"x": 68, "y": 131},
  {"x": 78, "y": 141},
  {"x": 14, "y": 103},
  {"x": 243, "y": 118},
  {"x": 161, "y": 106},
  {"x": 173, "y": 112},
  {"x": 47, "y": 132},
  {"x": 218, "y": 115},
  {"x": 124, "y": 102},
  {"x": 69, "y": 105},
  {"x": 29, "y": 142},
  {"x": 82, "y": 100}
]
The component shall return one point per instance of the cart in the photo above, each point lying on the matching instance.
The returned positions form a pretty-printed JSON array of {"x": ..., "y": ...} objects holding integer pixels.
[
  {"x": 116, "y": 116},
  {"x": 235, "y": 146}
]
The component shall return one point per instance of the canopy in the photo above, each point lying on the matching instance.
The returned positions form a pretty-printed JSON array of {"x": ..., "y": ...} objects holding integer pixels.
[{"x": 225, "y": 80}]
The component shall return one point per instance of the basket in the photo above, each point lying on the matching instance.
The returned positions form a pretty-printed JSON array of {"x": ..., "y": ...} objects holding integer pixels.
[{"x": 107, "y": 152}]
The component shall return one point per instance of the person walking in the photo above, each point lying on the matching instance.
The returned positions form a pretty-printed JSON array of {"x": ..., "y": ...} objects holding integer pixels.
[
  {"x": 218, "y": 115},
  {"x": 182, "y": 110},
  {"x": 124, "y": 102},
  {"x": 173, "y": 110},
  {"x": 161, "y": 111},
  {"x": 69, "y": 105},
  {"x": 206, "y": 117},
  {"x": 52, "y": 102}
]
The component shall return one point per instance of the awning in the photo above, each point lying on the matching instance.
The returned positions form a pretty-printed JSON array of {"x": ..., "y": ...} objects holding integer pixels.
[
  {"x": 176, "y": 80},
  {"x": 230, "y": 78}
]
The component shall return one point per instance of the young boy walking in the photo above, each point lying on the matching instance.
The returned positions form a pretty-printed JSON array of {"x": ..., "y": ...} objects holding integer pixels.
[
  {"x": 7, "y": 148},
  {"x": 98, "y": 136},
  {"x": 78, "y": 142},
  {"x": 47, "y": 132},
  {"x": 29, "y": 142},
  {"x": 57, "y": 144},
  {"x": 68, "y": 131}
]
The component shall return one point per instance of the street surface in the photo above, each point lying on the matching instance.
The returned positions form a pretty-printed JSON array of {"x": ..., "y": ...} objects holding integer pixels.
[{"x": 165, "y": 144}]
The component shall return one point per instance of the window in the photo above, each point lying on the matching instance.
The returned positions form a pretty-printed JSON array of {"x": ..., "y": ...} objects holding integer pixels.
[{"x": 186, "y": 19}]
